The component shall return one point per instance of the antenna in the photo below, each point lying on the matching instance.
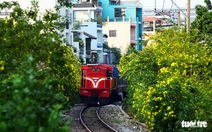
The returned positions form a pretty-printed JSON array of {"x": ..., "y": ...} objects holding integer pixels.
[{"x": 155, "y": 5}]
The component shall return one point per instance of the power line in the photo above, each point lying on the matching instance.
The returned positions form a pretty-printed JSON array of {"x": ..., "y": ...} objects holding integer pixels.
[
  {"x": 163, "y": 5},
  {"x": 171, "y": 7},
  {"x": 179, "y": 8},
  {"x": 155, "y": 5}
]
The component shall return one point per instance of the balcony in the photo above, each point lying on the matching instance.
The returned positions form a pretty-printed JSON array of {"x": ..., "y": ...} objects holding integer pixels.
[
  {"x": 99, "y": 45},
  {"x": 120, "y": 19},
  {"x": 132, "y": 40},
  {"x": 87, "y": 3},
  {"x": 99, "y": 27}
]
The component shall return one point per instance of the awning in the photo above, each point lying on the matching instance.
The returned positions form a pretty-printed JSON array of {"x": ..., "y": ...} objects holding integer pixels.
[
  {"x": 89, "y": 35},
  {"x": 85, "y": 33}
]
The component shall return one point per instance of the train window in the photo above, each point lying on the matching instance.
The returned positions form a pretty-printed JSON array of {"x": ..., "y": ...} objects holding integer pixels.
[
  {"x": 109, "y": 73},
  {"x": 97, "y": 69},
  {"x": 93, "y": 69},
  {"x": 82, "y": 79}
]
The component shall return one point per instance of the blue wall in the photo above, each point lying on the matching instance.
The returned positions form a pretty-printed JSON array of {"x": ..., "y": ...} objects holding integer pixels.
[
  {"x": 131, "y": 12},
  {"x": 108, "y": 10}
]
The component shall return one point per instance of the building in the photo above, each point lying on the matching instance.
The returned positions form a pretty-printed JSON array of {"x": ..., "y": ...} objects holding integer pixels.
[
  {"x": 122, "y": 23},
  {"x": 83, "y": 31},
  {"x": 154, "y": 20}
]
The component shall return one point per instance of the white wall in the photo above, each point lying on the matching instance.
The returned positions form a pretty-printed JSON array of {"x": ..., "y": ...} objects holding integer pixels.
[{"x": 122, "y": 40}]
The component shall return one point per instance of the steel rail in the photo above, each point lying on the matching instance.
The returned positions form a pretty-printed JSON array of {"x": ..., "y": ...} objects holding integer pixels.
[
  {"x": 81, "y": 120},
  {"x": 99, "y": 118},
  {"x": 103, "y": 122}
]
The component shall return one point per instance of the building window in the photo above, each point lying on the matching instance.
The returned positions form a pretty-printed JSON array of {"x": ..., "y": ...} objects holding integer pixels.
[
  {"x": 112, "y": 33},
  {"x": 119, "y": 12},
  {"x": 67, "y": 25},
  {"x": 67, "y": 38}
]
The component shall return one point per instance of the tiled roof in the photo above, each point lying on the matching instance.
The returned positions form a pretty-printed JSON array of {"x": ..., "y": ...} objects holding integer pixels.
[
  {"x": 83, "y": 5},
  {"x": 148, "y": 19}
]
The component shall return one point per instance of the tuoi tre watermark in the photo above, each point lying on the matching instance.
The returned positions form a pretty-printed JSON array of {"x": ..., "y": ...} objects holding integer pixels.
[{"x": 200, "y": 124}]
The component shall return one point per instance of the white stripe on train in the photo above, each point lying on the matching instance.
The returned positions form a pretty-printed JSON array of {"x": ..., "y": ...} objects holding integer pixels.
[{"x": 96, "y": 81}]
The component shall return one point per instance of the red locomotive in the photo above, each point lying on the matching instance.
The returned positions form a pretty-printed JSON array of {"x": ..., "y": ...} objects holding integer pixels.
[{"x": 100, "y": 83}]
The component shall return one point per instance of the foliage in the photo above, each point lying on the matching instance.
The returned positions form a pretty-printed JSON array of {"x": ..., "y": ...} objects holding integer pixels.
[
  {"x": 76, "y": 26},
  {"x": 105, "y": 46},
  {"x": 169, "y": 82},
  {"x": 116, "y": 53},
  {"x": 28, "y": 102},
  {"x": 201, "y": 27},
  {"x": 34, "y": 92},
  {"x": 77, "y": 39}
]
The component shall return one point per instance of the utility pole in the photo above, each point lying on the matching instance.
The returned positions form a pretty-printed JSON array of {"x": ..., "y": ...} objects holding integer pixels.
[
  {"x": 179, "y": 25},
  {"x": 188, "y": 16}
]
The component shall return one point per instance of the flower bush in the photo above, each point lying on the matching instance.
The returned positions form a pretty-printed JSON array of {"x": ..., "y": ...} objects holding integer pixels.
[{"x": 170, "y": 81}]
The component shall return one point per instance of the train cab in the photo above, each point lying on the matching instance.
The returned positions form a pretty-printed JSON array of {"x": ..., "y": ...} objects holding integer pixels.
[{"x": 97, "y": 82}]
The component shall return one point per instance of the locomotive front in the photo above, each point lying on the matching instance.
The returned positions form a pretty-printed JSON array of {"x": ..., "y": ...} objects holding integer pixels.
[{"x": 97, "y": 81}]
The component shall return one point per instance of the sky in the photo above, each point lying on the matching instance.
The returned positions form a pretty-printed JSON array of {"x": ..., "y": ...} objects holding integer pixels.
[
  {"x": 43, "y": 4},
  {"x": 147, "y": 4},
  {"x": 160, "y": 4}
]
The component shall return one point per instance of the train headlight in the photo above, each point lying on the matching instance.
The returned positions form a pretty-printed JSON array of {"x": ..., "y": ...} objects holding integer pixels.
[
  {"x": 97, "y": 69},
  {"x": 104, "y": 91},
  {"x": 85, "y": 91}
]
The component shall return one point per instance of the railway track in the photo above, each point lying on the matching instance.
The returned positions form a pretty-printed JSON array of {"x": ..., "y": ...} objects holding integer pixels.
[{"x": 91, "y": 120}]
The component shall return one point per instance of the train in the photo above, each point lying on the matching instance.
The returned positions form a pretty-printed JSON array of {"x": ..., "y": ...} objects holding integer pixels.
[{"x": 101, "y": 84}]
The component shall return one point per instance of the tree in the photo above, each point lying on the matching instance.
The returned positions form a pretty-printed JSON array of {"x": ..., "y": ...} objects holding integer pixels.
[
  {"x": 201, "y": 27},
  {"x": 38, "y": 73},
  {"x": 115, "y": 52}
]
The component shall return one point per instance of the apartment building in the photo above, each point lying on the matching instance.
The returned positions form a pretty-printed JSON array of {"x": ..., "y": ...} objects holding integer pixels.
[
  {"x": 83, "y": 31},
  {"x": 122, "y": 23}
]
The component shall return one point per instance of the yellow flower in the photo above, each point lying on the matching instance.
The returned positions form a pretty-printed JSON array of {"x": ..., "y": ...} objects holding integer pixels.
[
  {"x": 159, "y": 62},
  {"x": 164, "y": 93},
  {"x": 164, "y": 70},
  {"x": 171, "y": 112},
  {"x": 148, "y": 101},
  {"x": 174, "y": 64},
  {"x": 1, "y": 65},
  {"x": 1, "y": 68},
  {"x": 155, "y": 113},
  {"x": 148, "y": 93},
  {"x": 168, "y": 107},
  {"x": 169, "y": 80},
  {"x": 184, "y": 72},
  {"x": 72, "y": 67}
]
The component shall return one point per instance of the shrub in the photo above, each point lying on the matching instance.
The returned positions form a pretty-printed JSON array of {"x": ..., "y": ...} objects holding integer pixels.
[
  {"x": 28, "y": 102},
  {"x": 40, "y": 39},
  {"x": 170, "y": 81},
  {"x": 39, "y": 75}
]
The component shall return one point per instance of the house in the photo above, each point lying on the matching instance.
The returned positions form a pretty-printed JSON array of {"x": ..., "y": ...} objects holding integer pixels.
[
  {"x": 150, "y": 25},
  {"x": 83, "y": 31},
  {"x": 122, "y": 23}
]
